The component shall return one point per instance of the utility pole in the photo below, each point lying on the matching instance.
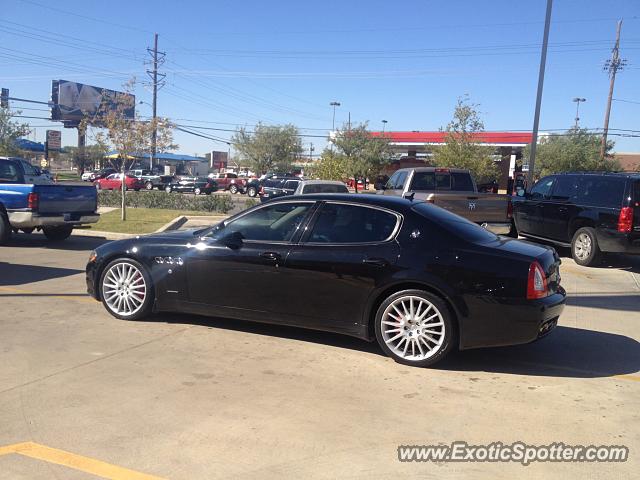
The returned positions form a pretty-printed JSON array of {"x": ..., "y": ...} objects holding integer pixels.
[
  {"x": 612, "y": 66},
  {"x": 333, "y": 123},
  {"x": 158, "y": 59},
  {"x": 578, "y": 100},
  {"x": 311, "y": 149},
  {"x": 536, "y": 116}
]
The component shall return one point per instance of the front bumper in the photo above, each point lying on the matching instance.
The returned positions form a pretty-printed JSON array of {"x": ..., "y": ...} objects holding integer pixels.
[
  {"x": 494, "y": 322},
  {"x": 32, "y": 220}
]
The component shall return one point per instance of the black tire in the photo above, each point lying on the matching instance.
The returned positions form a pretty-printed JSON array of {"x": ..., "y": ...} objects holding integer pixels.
[
  {"x": 197, "y": 191},
  {"x": 147, "y": 306},
  {"x": 252, "y": 191},
  {"x": 233, "y": 188},
  {"x": 57, "y": 234},
  {"x": 584, "y": 247},
  {"x": 148, "y": 186},
  {"x": 5, "y": 228},
  {"x": 444, "y": 341},
  {"x": 168, "y": 189}
]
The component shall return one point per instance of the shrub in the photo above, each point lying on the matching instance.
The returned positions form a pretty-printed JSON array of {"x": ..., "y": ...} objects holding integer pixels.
[{"x": 172, "y": 201}]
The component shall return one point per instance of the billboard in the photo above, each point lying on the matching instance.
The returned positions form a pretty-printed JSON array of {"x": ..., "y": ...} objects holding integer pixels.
[
  {"x": 73, "y": 102},
  {"x": 54, "y": 139}
]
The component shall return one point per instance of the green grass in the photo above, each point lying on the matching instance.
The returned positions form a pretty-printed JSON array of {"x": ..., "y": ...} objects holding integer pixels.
[
  {"x": 139, "y": 220},
  {"x": 67, "y": 176}
]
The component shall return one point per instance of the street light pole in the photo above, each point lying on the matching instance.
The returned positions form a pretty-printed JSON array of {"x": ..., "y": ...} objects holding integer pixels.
[
  {"x": 384, "y": 124},
  {"x": 578, "y": 100},
  {"x": 333, "y": 123}
]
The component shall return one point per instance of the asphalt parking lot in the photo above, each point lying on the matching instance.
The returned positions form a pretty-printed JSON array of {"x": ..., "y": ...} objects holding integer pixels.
[{"x": 200, "y": 398}]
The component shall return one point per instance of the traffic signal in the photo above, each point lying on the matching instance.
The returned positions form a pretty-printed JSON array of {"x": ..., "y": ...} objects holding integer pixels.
[{"x": 4, "y": 98}]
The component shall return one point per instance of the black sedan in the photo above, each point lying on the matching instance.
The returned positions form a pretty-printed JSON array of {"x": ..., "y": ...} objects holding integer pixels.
[
  {"x": 418, "y": 279},
  {"x": 195, "y": 185}
]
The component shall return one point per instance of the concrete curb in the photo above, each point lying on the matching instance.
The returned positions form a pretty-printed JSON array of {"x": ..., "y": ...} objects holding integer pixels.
[
  {"x": 79, "y": 232},
  {"x": 174, "y": 224}
]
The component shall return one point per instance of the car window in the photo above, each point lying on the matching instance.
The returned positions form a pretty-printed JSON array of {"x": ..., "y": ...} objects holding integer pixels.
[
  {"x": 28, "y": 168},
  {"x": 454, "y": 224},
  {"x": 542, "y": 189},
  {"x": 113, "y": 176},
  {"x": 339, "y": 223},
  {"x": 392, "y": 181},
  {"x": 443, "y": 181},
  {"x": 9, "y": 172},
  {"x": 564, "y": 188},
  {"x": 423, "y": 181},
  {"x": 325, "y": 188},
  {"x": 400, "y": 179},
  {"x": 461, "y": 182},
  {"x": 291, "y": 184},
  {"x": 273, "y": 223},
  {"x": 601, "y": 191}
]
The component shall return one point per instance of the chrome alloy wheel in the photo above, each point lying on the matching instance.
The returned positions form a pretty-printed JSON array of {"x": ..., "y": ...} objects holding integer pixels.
[
  {"x": 413, "y": 328},
  {"x": 583, "y": 246},
  {"x": 124, "y": 289}
]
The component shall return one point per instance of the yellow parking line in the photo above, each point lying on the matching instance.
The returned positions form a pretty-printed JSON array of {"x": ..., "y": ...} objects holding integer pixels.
[
  {"x": 75, "y": 298},
  {"x": 77, "y": 462}
]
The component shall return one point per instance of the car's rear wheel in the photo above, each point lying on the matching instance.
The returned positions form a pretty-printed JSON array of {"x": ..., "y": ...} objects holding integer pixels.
[
  {"x": 57, "y": 234},
  {"x": 233, "y": 189},
  {"x": 197, "y": 191},
  {"x": 167, "y": 189},
  {"x": 414, "y": 327},
  {"x": 126, "y": 289},
  {"x": 252, "y": 191},
  {"x": 148, "y": 186},
  {"x": 584, "y": 247},
  {"x": 5, "y": 228}
]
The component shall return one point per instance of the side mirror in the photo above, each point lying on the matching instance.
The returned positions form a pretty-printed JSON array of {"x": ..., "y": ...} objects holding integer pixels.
[{"x": 233, "y": 240}]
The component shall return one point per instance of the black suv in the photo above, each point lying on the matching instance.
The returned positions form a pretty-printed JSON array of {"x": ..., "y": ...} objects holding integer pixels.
[
  {"x": 589, "y": 212},
  {"x": 278, "y": 187}
]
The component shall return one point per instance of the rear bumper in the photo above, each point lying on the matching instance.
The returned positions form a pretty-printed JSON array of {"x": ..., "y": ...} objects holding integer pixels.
[
  {"x": 31, "y": 220},
  {"x": 493, "y": 322},
  {"x": 612, "y": 241}
]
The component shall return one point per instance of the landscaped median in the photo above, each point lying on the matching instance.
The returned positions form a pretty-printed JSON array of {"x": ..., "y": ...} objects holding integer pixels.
[
  {"x": 139, "y": 220},
  {"x": 219, "y": 204}
]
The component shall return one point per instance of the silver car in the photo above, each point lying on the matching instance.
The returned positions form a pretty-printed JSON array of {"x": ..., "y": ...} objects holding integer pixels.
[{"x": 320, "y": 186}]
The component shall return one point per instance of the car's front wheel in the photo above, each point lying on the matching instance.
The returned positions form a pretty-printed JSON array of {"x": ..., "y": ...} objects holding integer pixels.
[
  {"x": 197, "y": 191},
  {"x": 233, "y": 189},
  {"x": 168, "y": 189},
  {"x": 584, "y": 247},
  {"x": 126, "y": 289},
  {"x": 252, "y": 191},
  {"x": 148, "y": 186},
  {"x": 415, "y": 328}
]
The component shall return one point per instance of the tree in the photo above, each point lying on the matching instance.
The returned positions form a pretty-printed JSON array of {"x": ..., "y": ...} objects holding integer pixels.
[
  {"x": 10, "y": 131},
  {"x": 576, "y": 150},
  {"x": 330, "y": 166},
  {"x": 130, "y": 137},
  {"x": 93, "y": 156},
  {"x": 268, "y": 147},
  {"x": 461, "y": 149},
  {"x": 363, "y": 154}
]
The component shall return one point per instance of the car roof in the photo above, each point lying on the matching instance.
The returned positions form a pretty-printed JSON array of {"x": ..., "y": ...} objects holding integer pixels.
[
  {"x": 603, "y": 174},
  {"x": 386, "y": 201},
  {"x": 322, "y": 182},
  {"x": 433, "y": 169}
]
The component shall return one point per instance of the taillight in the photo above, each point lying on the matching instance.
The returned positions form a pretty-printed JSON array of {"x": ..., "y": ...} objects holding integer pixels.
[
  {"x": 509, "y": 209},
  {"x": 625, "y": 220},
  {"x": 32, "y": 201},
  {"x": 261, "y": 191},
  {"x": 536, "y": 283}
]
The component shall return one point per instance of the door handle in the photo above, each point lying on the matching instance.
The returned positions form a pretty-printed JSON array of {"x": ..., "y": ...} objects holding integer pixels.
[
  {"x": 562, "y": 209},
  {"x": 376, "y": 262},
  {"x": 273, "y": 256}
]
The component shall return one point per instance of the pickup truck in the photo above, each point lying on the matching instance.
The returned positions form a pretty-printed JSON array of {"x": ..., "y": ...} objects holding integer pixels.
[
  {"x": 455, "y": 190},
  {"x": 152, "y": 180},
  {"x": 54, "y": 208},
  {"x": 229, "y": 181}
]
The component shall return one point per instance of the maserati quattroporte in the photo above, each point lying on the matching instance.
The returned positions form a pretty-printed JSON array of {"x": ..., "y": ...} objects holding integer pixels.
[{"x": 416, "y": 278}]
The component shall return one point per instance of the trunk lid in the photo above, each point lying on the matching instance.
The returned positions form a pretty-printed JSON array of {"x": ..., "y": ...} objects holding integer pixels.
[{"x": 66, "y": 198}]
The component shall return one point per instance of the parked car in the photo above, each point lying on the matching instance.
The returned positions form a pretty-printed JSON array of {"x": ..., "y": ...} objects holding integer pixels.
[
  {"x": 114, "y": 182},
  {"x": 454, "y": 189},
  {"x": 104, "y": 173},
  {"x": 418, "y": 279},
  {"x": 278, "y": 187},
  {"x": 151, "y": 180},
  {"x": 86, "y": 176},
  {"x": 253, "y": 186},
  {"x": 197, "y": 185},
  {"x": 592, "y": 213},
  {"x": 229, "y": 181},
  {"x": 53, "y": 208},
  {"x": 307, "y": 187}
]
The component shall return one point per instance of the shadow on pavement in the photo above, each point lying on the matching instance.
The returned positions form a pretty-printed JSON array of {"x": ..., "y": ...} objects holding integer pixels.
[
  {"x": 629, "y": 302},
  {"x": 37, "y": 240},
  {"x": 12, "y": 274},
  {"x": 566, "y": 352}
]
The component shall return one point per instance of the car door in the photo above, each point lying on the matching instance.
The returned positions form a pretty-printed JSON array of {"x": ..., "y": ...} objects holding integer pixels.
[
  {"x": 530, "y": 216},
  {"x": 560, "y": 208},
  {"x": 112, "y": 181},
  {"x": 248, "y": 273},
  {"x": 346, "y": 251}
]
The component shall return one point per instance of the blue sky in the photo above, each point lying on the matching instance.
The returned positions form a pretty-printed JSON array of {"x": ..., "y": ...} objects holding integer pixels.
[{"x": 235, "y": 63}]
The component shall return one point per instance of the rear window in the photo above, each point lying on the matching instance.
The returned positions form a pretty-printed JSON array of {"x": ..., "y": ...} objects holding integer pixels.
[
  {"x": 8, "y": 172},
  {"x": 605, "y": 191},
  {"x": 454, "y": 224},
  {"x": 423, "y": 181},
  {"x": 325, "y": 188},
  {"x": 461, "y": 182}
]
